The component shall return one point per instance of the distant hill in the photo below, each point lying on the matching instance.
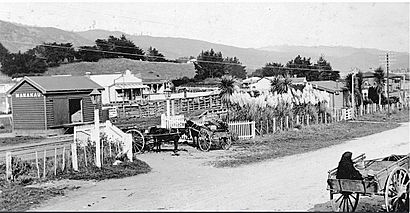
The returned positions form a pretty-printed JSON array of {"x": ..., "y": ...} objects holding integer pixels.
[
  {"x": 16, "y": 37},
  {"x": 341, "y": 58},
  {"x": 148, "y": 70}
]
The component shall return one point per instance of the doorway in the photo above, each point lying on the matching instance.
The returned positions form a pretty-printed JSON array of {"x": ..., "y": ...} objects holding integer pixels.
[{"x": 76, "y": 110}]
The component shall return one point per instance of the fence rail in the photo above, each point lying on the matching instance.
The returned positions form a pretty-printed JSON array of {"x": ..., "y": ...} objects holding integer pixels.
[{"x": 244, "y": 129}]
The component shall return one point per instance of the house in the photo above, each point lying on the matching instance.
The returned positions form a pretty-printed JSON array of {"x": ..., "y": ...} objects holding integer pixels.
[
  {"x": 248, "y": 81},
  {"x": 337, "y": 91},
  {"x": 45, "y": 104},
  {"x": 264, "y": 84},
  {"x": 396, "y": 84}
]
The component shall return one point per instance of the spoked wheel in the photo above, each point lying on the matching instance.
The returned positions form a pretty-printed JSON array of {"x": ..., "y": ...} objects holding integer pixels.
[
  {"x": 344, "y": 202},
  {"x": 204, "y": 140},
  {"x": 226, "y": 142},
  {"x": 396, "y": 194},
  {"x": 138, "y": 141}
]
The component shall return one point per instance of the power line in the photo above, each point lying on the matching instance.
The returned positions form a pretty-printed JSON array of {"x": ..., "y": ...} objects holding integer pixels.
[{"x": 163, "y": 57}]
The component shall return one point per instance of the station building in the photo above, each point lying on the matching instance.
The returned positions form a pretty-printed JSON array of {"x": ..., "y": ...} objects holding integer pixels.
[{"x": 42, "y": 105}]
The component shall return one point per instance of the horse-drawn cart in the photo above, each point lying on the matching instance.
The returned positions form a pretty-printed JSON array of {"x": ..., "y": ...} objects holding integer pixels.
[
  {"x": 387, "y": 176},
  {"x": 202, "y": 136}
]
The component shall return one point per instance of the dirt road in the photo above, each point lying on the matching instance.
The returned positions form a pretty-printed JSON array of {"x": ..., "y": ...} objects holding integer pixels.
[{"x": 293, "y": 183}]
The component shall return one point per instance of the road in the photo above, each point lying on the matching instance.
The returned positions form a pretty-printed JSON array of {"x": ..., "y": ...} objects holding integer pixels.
[{"x": 292, "y": 183}]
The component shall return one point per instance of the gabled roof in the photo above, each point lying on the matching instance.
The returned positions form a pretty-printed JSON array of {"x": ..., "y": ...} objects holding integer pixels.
[
  {"x": 329, "y": 86},
  {"x": 56, "y": 84}
]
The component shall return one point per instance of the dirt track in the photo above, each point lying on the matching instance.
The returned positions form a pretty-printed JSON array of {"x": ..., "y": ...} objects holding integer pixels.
[{"x": 293, "y": 183}]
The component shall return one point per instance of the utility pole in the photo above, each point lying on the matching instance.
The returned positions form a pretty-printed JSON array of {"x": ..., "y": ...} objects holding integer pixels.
[
  {"x": 388, "y": 96},
  {"x": 353, "y": 105}
]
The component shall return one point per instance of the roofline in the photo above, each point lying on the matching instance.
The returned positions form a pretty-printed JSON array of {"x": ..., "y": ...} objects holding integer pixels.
[{"x": 30, "y": 81}]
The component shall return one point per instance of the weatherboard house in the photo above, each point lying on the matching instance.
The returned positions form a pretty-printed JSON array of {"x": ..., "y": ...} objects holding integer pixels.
[{"x": 43, "y": 105}]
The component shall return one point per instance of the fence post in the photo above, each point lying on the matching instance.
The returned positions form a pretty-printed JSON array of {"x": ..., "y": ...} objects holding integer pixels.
[
  {"x": 9, "y": 169},
  {"x": 55, "y": 161},
  {"x": 63, "y": 166},
  {"x": 281, "y": 123},
  {"x": 44, "y": 163},
  {"x": 38, "y": 168},
  {"x": 74, "y": 156},
  {"x": 128, "y": 146},
  {"x": 267, "y": 126},
  {"x": 308, "y": 119},
  {"x": 297, "y": 119},
  {"x": 287, "y": 122},
  {"x": 325, "y": 115},
  {"x": 253, "y": 129},
  {"x": 274, "y": 124}
]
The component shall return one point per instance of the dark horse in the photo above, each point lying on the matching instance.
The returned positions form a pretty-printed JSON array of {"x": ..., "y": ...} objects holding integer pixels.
[
  {"x": 159, "y": 135},
  {"x": 192, "y": 130}
]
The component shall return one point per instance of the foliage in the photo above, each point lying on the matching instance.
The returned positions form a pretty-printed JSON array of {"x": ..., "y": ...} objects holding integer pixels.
[
  {"x": 122, "y": 47},
  {"x": 204, "y": 69},
  {"x": 271, "y": 69},
  {"x": 3, "y": 52},
  {"x": 53, "y": 53},
  {"x": 280, "y": 86},
  {"x": 358, "y": 82},
  {"x": 88, "y": 53},
  {"x": 380, "y": 81},
  {"x": 20, "y": 64},
  {"x": 236, "y": 70},
  {"x": 154, "y": 55},
  {"x": 211, "y": 64},
  {"x": 322, "y": 64},
  {"x": 183, "y": 81}
]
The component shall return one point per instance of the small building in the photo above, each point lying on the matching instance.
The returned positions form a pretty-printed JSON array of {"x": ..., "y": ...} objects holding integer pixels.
[
  {"x": 336, "y": 90},
  {"x": 44, "y": 104},
  {"x": 264, "y": 84}
]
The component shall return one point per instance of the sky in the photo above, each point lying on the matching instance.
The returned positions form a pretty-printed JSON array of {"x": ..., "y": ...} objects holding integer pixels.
[{"x": 247, "y": 24}]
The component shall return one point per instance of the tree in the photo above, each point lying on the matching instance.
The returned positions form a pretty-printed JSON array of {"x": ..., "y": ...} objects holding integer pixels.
[
  {"x": 54, "y": 53},
  {"x": 119, "y": 48},
  {"x": 3, "y": 52},
  {"x": 274, "y": 69},
  {"x": 302, "y": 67},
  {"x": 154, "y": 55},
  {"x": 204, "y": 69},
  {"x": 379, "y": 80},
  {"x": 20, "y": 64},
  {"x": 322, "y": 64},
  {"x": 227, "y": 86},
  {"x": 88, "y": 53},
  {"x": 357, "y": 92},
  {"x": 236, "y": 70},
  {"x": 280, "y": 86}
]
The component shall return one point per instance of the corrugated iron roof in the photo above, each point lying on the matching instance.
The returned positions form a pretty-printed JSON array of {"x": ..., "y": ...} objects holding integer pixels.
[
  {"x": 330, "y": 86},
  {"x": 50, "y": 84}
]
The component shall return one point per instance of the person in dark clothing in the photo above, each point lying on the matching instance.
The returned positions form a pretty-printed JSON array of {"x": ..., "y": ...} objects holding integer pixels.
[{"x": 346, "y": 170}]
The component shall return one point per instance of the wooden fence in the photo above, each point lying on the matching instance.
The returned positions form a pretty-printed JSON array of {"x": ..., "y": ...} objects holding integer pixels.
[{"x": 157, "y": 107}]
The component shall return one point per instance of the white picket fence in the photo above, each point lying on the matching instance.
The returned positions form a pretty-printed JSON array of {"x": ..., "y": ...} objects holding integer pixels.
[
  {"x": 347, "y": 114},
  {"x": 244, "y": 129}
]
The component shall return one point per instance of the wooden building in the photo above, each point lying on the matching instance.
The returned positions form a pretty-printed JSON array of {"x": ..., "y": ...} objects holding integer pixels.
[{"x": 44, "y": 104}]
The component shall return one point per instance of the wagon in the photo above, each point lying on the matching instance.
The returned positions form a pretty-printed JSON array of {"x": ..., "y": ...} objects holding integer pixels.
[
  {"x": 388, "y": 177},
  {"x": 206, "y": 136}
]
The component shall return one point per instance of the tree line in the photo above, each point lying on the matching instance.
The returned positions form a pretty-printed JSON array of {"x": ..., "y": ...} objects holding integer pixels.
[{"x": 35, "y": 61}]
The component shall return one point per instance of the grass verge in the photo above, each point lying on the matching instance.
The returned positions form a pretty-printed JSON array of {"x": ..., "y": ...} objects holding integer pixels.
[
  {"x": 307, "y": 139},
  {"x": 20, "y": 197}
]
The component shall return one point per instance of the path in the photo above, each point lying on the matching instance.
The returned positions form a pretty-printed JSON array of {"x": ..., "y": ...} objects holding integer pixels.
[{"x": 293, "y": 183}]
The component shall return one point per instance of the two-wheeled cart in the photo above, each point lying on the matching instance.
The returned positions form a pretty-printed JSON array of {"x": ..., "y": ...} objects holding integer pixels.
[{"x": 389, "y": 178}]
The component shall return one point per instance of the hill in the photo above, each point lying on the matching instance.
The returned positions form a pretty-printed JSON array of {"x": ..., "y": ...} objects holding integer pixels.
[
  {"x": 341, "y": 58},
  {"x": 16, "y": 37},
  {"x": 148, "y": 70}
]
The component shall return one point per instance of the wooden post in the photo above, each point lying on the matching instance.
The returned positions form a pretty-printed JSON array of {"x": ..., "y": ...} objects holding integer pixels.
[
  {"x": 325, "y": 115},
  {"x": 63, "y": 165},
  {"x": 85, "y": 156},
  {"x": 109, "y": 146},
  {"x": 38, "y": 168},
  {"x": 287, "y": 122},
  {"x": 261, "y": 128},
  {"x": 74, "y": 161},
  {"x": 55, "y": 161},
  {"x": 267, "y": 126},
  {"x": 307, "y": 120},
  {"x": 274, "y": 124},
  {"x": 281, "y": 123},
  {"x": 9, "y": 168},
  {"x": 297, "y": 119},
  {"x": 317, "y": 119},
  {"x": 44, "y": 163}
]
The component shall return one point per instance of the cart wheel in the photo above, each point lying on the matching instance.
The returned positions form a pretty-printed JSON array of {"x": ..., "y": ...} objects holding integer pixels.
[
  {"x": 138, "y": 141},
  {"x": 396, "y": 195},
  {"x": 344, "y": 202},
  {"x": 225, "y": 142},
  {"x": 204, "y": 140}
]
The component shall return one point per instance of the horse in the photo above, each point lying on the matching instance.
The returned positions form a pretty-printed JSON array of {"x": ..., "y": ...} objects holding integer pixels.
[
  {"x": 160, "y": 135},
  {"x": 192, "y": 129}
]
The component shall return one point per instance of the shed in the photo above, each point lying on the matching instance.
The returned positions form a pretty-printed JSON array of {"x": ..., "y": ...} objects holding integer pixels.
[
  {"x": 43, "y": 103},
  {"x": 336, "y": 91}
]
